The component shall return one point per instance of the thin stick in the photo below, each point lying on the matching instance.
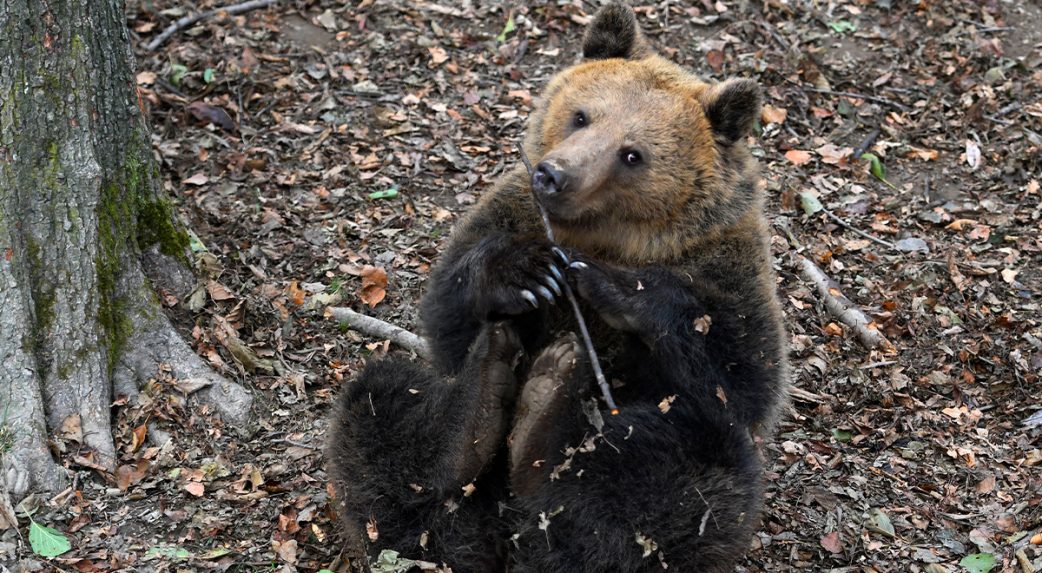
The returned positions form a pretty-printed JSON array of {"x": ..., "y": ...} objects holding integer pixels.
[
  {"x": 857, "y": 231},
  {"x": 876, "y": 99},
  {"x": 380, "y": 329},
  {"x": 598, "y": 373},
  {"x": 187, "y": 21},
  {"x": 865, "y": 144}
]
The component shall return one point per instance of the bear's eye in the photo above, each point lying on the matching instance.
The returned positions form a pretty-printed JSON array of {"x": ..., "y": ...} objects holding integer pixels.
[
  {"x": 631, "y": 157},
  {"x": 580, "y": 119}
]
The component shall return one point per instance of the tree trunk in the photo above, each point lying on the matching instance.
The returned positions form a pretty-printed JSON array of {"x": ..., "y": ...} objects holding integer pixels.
[{"x": 79, "y": 204}]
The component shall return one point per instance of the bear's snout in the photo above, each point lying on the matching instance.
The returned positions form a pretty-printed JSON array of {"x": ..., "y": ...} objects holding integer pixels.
[{"x": 548, "y": 179}]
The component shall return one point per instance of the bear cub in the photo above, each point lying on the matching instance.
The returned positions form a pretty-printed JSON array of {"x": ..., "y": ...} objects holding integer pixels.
[{"x": 500, "y": 456}]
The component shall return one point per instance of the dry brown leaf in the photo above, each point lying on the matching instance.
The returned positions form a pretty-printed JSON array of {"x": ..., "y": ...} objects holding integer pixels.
[
  {"x": 218, "y": 292},
  {"x": 721, "y": 395},
  {"x": 128, "y": 475},
  {"x": 924, "y": 154},
  {"x": 197, "y": 179},
  {"x": 703, "y": 323},
  {"x": 371, "y": 531},
  {"x": 771, "y": 114},
  {"x": 832, "y": 543},
  {"x": 295, "y": 293},
  {"x": 374, "y": 283},
  {"x": 195, "y": 488},
  {"x": 138, "y": 437},
  {"x": 715, "y": 59},
  {"x": 833, "y": 155},
  {"x": 438, "y": 56},
  {"x": 797, "y": 156}
]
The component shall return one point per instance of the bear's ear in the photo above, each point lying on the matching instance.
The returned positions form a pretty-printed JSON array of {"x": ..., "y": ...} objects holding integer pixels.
[
  {"x": 614, "y": 33},
  {"x": 732, "y": 107}
]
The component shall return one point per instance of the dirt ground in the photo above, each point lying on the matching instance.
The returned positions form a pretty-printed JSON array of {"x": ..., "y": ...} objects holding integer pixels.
[{"x": 317, "y": 150}]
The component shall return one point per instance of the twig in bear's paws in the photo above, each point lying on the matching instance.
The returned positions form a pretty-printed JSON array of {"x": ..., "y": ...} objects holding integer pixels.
[{"x": 598, "y": 373}]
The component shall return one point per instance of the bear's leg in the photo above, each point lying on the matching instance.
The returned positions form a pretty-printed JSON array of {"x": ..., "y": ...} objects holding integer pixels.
[
  {"x": 546, "y": 398},
  {"x": 412, "y": 457},
  {"x": 678, "y": 485}
]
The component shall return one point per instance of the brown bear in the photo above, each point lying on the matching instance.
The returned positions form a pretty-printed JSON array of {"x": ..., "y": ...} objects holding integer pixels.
[{"x": 500, "y": 458}]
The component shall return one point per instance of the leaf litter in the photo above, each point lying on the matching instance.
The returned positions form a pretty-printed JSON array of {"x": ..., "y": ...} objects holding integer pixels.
[{"x": 282, "y": 133}]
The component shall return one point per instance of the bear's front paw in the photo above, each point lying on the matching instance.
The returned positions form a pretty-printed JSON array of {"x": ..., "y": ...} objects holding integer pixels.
[{"x": 514, "y": 276}]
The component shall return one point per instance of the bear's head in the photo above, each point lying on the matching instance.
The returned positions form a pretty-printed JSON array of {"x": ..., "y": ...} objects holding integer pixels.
[{"x": 639, "y": 159}]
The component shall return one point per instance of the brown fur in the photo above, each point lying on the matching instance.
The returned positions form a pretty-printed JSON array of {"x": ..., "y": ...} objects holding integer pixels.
[{"x": 676, "y": 236}]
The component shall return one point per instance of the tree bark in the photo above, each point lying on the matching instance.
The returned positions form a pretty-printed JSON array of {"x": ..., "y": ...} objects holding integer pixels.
[{"x": 79, "y": 204}]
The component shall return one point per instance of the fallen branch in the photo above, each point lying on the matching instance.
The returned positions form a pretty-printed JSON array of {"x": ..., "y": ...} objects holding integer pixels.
[
  {"x": 877, "y": 99},
  {"x": 841, "y": 307},
  {"x": 380, "y": 329},
  {"x": 187, "y": 21}
]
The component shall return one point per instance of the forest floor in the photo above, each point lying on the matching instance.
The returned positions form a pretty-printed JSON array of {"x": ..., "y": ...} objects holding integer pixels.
[{"x": 321, "y": 154}]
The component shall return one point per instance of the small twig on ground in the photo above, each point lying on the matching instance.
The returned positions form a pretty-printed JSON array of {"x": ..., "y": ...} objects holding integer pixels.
[
  {"x": 598, "y": 373},
  {"x": 381, "y": 329},
  {"x": 842, "y": 307},
  {"x": 857, "y": 231},
  {"x": 186, "y": 21},
  {"x": 865, "y": 144},
  {"x": 865, "y": 97}
]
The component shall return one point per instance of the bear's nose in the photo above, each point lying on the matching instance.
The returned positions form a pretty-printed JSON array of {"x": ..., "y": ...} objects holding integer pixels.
[{"x": 548, "y": 179}]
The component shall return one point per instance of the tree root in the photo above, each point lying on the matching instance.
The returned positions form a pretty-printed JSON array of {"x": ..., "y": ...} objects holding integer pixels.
[
  {"x": 842, "y": 307},
  {"x": 381, "y": 329},
  {"x": 158, "y": 343}
]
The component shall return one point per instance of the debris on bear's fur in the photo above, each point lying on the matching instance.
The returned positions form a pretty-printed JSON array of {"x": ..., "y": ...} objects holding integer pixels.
[{"x": 644, "y": 208}]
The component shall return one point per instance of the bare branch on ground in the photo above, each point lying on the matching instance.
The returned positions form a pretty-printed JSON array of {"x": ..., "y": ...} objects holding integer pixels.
[
  {"x": 187, "y": 21},
  {"x": 842, "y": 307},
  {"x": 381, "y": 329}
]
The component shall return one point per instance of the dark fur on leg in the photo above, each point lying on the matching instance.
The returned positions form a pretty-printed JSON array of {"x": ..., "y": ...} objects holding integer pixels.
[
  {"x": 677, "y": 468},
  {"x": 405, "y": 442}
]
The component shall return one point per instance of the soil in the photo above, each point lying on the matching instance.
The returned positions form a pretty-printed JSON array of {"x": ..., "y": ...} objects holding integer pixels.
[{"x": 329, "y": 147}]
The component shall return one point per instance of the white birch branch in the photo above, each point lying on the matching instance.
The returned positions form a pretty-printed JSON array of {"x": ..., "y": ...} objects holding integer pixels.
[
  {"x": 842, "y": 307},
  {"x": 381, "y": 329}
]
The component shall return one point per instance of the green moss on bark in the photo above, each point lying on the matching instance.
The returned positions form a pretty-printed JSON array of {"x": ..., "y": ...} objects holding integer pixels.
[{"x": 131, "y": 217}]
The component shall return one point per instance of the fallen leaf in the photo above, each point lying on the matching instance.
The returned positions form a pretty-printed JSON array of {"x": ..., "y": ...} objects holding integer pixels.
[
  {"x": 771, "y": 114},
  {"x": 972, "y": 154},
  {"x": 912, "y": 244},
  {"x": 195, "y": 488},
  {"x": 879, "y": 522},
  {"x": 666, "y": 403},
  {"x": 374, "y": 284},
  {"x": 978, "y": 562},
  {"x": 810, "y": 202},
  {"x": 197, "y": 179},
  {"x": 797, "y": 156},
  {"x": 832, "y": 543},
  {"x": 924, "y": 154},
  {"x": 296, "y": 294},
  {"x": 213, "y": 114},
  {"x": 833, "y": 155},
  {"x": 703, "y": 323},
  {"x": 715, "y": 59},
  {"x": 438, "y": 56},
  {"x": 218, "y": 292}
]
